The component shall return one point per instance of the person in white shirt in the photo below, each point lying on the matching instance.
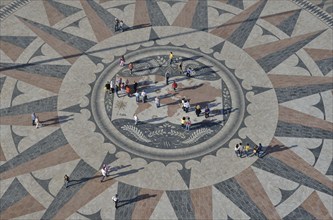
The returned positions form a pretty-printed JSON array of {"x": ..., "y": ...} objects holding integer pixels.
[
  {"x": 115, "y": 199},
  {"x": 144, "y": 96}
]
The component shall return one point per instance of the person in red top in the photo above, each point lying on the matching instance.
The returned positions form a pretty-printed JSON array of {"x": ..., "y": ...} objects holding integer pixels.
[{"x": 174, "y": 85}]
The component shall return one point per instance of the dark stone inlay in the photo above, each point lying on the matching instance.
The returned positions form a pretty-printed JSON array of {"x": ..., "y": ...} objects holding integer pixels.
[
  {"x": 240, "y": 35},
  {"x": 257, "y": 90},
  {"x": 20, "y": 41},
  {"x": 288, "y": 25},
  {"x": 182, "y": 203},
  {"x": 82, "y": 173},
  {"x": 13, "y": 194},
  {"x": 74, "y": 109},
  {"x": 200, "y": 18},
  {"x": 325, "y": 65},
  {"x": 2, "y": 82},
  {"x": 218, "y": 47},
  {"x": 16, "y": 92},
  {"x": 301, "y": 64},
  {"x": 106, "y": 16},
  {"x": 320, "y": 105},
  {"x": 121, "y": 7},
  {"x": 58, "y": 71},
  {"x": 16, "y": 138},
  {"x": 44, "y": 184},
  {"x": 171, "y": 2},
  {"x": 43, "y": 105},
  {"x": 186, "y": 175},
  {"x": 330, "y": 169},
  {"x": 291, "y": 93},
  {"x": 285, "y": 129},
  {"x": 75, "y": 41},
  {"x": 220, "y": 11},
  {"x": 95, "y": 216},
  {"x": 277, "y": 167},
  {"x": 44, "y": 146},
  {"x": 128, "y": 196},
  {"x": 64, "y": 9},
  {"x": 299, "y": 213},
  {"x": 285, "y": 194},
  {"x": 156, "y": 15},
  {"x": 272, "y": 60},
  {"x": 316, "y": 151},
  {"x": 153, "y": 35},
  {"x": 236, "y": 3},
  {"x": 266, "y": 32},
  {"x": 233, "y": 191}
]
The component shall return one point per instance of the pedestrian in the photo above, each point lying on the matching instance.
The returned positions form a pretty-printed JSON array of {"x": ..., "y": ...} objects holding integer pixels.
[
  {"x": 186, "y": 106},
  {"x": 207, "y": 111},
  {"x": 122, "y": 61},
  {"x": 157, "y": 102},
  {"x": 33, "y": 117},
  {"x": 115, "y": 199},
  {"x": 237, "y": 151},
  {"x": 66, "y": 180},
  {"x": 112, "y": 86},
  {"x": 136, "y": 119},
  {"x": 247, "y": 149},
  {"x": 183, "y": 122},
  {"x": 180, "y": 68},
  {"x": 128, "y": 91},
  {"x": 130, "y": 67},
  {"x": 174, "y": 85},
  {"x": 171, "y": 57},
  {"x": 189, "y": 72},
  {"x": 121, "y": 26},
  {"x": 241, "y": 149},
  {"x": 127, "y": 82},
  {"x": 137, "y": 96},
  {"x": 116, "y": 26},
  {"x": 198, "y": 110},
  {"x": 104, "y": 172},
  {"x": 107, "y": 86},
  {"x": 188, "y": 123},
  {"x": 144, "y": 96},
  {"x": 38, "y": 124},
  {"x": 167, "y": 76},
  {"x": 135, "y": 86}
]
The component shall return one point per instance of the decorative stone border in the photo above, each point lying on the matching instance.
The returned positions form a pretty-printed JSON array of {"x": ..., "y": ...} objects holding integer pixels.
[
  {"x": 315, "y": 10},
  {"x": 11, "y": 8}
]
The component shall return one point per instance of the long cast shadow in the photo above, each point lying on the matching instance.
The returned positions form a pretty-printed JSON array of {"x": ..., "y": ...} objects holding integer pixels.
[{"x": 135, "y": 199}]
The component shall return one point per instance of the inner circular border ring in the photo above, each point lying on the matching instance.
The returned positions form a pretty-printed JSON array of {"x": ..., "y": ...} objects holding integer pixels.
[{"x": 111, "y": 132}]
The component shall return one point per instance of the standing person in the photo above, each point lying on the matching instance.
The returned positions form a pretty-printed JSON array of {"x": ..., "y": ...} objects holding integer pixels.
[
  {"x": 33, "y": 118},
  {"x": 186, "y": 106},
  {"x": 122, "y": 61},
  {"x": 108, "y": 86},
  {"x": 167, "y": 76},
  {"x": 135, "y": 86},
  {"x": 66, "y": 180},
  {"x": 198, "y": 110},
  {"x": 144, "y": 96},
  {"x": 115, "y": 199},
  {"x": 180, "y": 68},
  {"x": 247, "y": 149},
  {"x": 116, "y": 26},
  {"x": 121, "y": 26},
  {"x": 171, "y": 57},
  {"x": 112, "y": 86},
  {"x": 157, "y": 102},
  {"x": 104, "y": 172},
  {"x": 189, "y": 72},
  {"x": 183, "y": 122},
  {"x": 137, "y": 96},
  {"x": 237, "y": 151},
  {"x": 241, "y": 149},
  {"x": 130, "y": 67},
  {"x": 38, "y": 124},
  {"x": 136, "y": 119},
  {"x": 207, "y": 111},
  {"x": 188, "y": 123},
  {"x": 174, "y": 85}
]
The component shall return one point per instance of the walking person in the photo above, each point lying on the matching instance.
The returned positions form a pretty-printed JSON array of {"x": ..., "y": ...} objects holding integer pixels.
[
  {"x": 130, "y": 67},
  {"x": 144, "y": 96},
  {"x": 186, "y": 106},
  {"x": 115, "y": 199},
  {"x": 174, "y": 86},
  {"x": 66, "y": 180},
  {"x": 121, "y": 26},
  {"x": 112, "y": 86},
  {"x": 38, "y": 124},
  {"x": 104, "y": 172},
  {"x": 207, "y": 112},
  {"x": 136, "y": 119},
  {"x": 157, "y": 102},
  {"x": 180, "y": 68},
  {"x": 170, "y": 57},
  {"x": 167, "y": 76},
  {"x": 188, "y": 123},
  {"x": 33, "y": 118},
  {"x": 122, "y": 61},
  {"x": 198, "y": 110},
  {"x": 116, "y": 26}
]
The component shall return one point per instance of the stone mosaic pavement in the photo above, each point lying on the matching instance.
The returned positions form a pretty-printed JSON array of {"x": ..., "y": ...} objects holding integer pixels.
[{"x": 263, "y": 67}]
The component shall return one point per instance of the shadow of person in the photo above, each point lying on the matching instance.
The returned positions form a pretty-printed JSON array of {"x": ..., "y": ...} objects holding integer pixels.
[
  {"x": 273, "y": 149},
  {"x": 125, "y": 173},
  {"x": 135, "y": 199},
  {"x": 82, "y": 180}
]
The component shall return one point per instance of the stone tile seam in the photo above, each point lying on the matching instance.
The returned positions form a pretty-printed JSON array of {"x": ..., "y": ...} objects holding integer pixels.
[
  {"x": 315, "y": 10},
  {"x": 11, "y": 8}
]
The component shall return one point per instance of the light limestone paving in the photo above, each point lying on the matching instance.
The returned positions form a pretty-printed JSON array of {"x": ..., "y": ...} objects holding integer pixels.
[
  {"x": 34, "y": 215},
  {"x": 163, "y": 209}
]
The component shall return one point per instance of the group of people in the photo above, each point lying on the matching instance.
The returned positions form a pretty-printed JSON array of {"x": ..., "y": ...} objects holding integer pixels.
[
  {"x": 240, "y": 150},
  {"x": 119, "y": 25},
  {"x": 186, "y": 123}
]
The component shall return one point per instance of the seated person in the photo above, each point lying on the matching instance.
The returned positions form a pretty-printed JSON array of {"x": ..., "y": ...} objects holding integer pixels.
[{"x": 107, "y": 86}]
